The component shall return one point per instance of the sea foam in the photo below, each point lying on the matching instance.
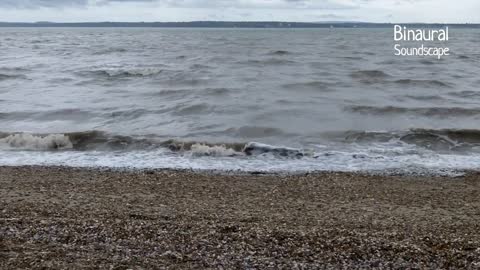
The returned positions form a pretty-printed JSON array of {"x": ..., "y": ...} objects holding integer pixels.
[{"x": 36, "y": 142}]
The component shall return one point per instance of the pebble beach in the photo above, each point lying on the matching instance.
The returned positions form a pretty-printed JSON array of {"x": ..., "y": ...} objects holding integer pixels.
[{"x": 77, "y": 218}]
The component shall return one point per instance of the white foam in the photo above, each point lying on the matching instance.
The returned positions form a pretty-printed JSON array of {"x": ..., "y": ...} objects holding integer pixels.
[
  {"x": 393, "y": 156},
  {"x": 255, "y": 148},
  {"x": 213, "y": 151},
  {"x": 36, "y": 142},
  {"x": 355, "y": 160}
]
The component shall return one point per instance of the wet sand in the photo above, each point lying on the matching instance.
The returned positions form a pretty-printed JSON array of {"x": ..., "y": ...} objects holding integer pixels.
[{"x": 83, "y": 218}]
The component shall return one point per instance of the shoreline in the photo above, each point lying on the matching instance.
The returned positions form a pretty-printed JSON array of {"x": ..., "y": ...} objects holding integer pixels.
[
  {"x": 65, "y": 217},
  {"x": 393, "y": 172}
]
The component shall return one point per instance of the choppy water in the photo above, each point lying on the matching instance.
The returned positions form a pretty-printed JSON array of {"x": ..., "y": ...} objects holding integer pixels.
[{"x": 280, "y": 99}]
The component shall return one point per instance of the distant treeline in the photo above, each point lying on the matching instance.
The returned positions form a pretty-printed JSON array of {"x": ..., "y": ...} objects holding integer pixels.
[{"x": 219, "y": 24}]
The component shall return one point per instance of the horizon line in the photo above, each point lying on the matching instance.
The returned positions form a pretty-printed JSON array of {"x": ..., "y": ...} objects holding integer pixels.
[{"x": 219, "y": 21}]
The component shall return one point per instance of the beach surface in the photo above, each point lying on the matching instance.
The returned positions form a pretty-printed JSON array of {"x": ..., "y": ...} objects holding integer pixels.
[{"x": 72, "y": 218}]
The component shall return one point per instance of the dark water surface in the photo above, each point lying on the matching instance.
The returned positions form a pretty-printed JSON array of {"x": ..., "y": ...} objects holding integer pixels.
[{"x": 311, "y": 99}]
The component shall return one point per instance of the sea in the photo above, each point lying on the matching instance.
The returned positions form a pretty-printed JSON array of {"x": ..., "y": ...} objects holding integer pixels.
[{"x": 247, "y": 100}]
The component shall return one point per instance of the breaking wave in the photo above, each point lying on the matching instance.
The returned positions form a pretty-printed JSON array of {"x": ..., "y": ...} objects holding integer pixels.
[
  {"x": 416, "y": 150},
  {"x": 35, "y": 142},
  {"x": 201, "y": 149},
  {"x": 442, "y": 140},
  {"x": 101, "y": 141}
]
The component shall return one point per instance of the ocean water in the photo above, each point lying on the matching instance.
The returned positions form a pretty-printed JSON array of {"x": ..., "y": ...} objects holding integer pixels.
[{"x": 237, "y": 99}]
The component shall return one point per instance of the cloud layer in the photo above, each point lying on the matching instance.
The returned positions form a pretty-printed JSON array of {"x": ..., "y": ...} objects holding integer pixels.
[{"x": 249, "y": 10}]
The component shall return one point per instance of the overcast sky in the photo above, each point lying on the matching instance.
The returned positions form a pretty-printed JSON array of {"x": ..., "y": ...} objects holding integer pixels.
[{"x": 458, "y": 11}]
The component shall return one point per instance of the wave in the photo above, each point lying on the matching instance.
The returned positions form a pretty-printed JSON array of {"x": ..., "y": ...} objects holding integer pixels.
[
  {"x": 17, "y": 69},
  {"x": 279, "y": 52},
  {"x": 254, "y": 132},
  {"x": 102, "y": 141},
  {"x": 195, "y": 109},
  {"x": 205, "y": 149},
  {"x": 80, "y": 141},
  {"x": 141, "y": 72},
  {"x": 427, "y": 62},
  {"x": 424, "y": 97},
  {"x": 378, "y": 76},
  {"x": 466, "y": 94},
  {"x": 4, "y": 77},
  {"x": 352, "y": 57},
  {"x": 182, "y": 146},
  {"x": 14, "y": 115},
  {"x": 199, "y": 67},
  {"x": 434, "y": 139},
  {"x": 127, "y": 115},
  {"x": 40, "y": 41},
  {"x": 369, "y": 75},
  {"x": 35, "y": 142},
  {"x": 116, "y": 73},
  {"x": 110, "y": 51},
  {"x": 422, "y": 111},
  {"x": 188, "y": 92},
  {"x": 411, "y": 82},
  {"x": 255, "y": 149},
  {"x": 235, "y": 149},
  {"x": 200, "y": 149},
  {"x": 216, "y": 91},
  {"x": 61, "y": 114},
  {"x": 270, "y": 61},
  {"x": 317, "y": 85}
]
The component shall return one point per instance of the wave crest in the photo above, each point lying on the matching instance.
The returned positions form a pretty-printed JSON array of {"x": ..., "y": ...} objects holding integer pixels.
[
  {"x": 437, "y": 140},
  {"x": 36, "y": 142},
  {"x": 200, "y": 149}
]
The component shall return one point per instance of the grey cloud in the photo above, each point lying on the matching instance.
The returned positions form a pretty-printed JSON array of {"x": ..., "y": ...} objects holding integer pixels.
[
  {"x": 27, "y": 4},
  {"x": 124, "y": 1},
  {"x": 332, "y": 16},
  {"x": 295, "y": 10},
  {"x": 41, "y": 3}
]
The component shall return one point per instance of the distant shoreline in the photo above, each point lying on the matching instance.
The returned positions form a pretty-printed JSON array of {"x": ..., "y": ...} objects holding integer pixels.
[{"x": 222, "y": 24}]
